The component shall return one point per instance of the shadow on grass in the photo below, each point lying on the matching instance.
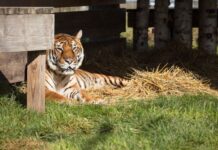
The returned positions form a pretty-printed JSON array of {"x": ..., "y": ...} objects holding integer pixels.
[{"x": 104, "y": 132}]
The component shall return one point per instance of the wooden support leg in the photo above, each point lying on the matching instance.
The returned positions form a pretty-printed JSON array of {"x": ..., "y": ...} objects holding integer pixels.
[{"x": 35, "y": 81}]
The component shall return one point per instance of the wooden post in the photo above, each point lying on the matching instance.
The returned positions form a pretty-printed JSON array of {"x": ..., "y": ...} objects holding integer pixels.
[
  {"x": 162, "y": 32},
  {"x": 141, "y": 26},
  {"x": 35, "y": 81},
  {"x": 183, "y": 22},
  {"x": 208, "y": 26}
]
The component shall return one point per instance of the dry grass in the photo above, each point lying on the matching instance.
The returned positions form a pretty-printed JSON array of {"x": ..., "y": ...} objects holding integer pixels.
[{"x": 150, "y": 84}]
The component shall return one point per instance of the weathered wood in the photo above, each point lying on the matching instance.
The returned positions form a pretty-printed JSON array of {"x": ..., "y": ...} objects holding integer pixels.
[
  {"x": 35, "y": 81},
  {"x": 12, "y": 66},
  {"x": 183, "y": 22},
  {"x": 102, "y": 24},
  {"x": 25, "y": 10},
  {"x": 208, "y": 26},
  {"x": 26, "y": 32},
  {"x": 58, "y": 3},
  {"x": 162, "y": 32},
  {"x": 140, "y": 32}
]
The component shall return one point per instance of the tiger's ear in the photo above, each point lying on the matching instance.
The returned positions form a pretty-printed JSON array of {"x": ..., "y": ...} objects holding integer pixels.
[{"x": 79, "y": 34}]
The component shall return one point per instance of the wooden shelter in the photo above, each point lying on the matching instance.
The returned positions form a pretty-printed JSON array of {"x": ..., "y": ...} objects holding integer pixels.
[{"x": 27, "y": 29}]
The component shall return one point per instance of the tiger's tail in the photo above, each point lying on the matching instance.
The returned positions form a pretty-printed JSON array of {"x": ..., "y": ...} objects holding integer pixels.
[{"x": 102, "y": 80}]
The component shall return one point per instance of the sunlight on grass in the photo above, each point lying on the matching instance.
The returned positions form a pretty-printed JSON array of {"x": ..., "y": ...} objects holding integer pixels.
[{"x": 187, "y": 122}]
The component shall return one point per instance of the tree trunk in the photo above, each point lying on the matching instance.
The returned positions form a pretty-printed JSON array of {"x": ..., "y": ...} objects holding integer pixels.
[
  {"x": 162, "y": 33},
  {"x": 141, "y": 26},
  {"x": 183, "y": 22},
  {"x": 208, "y": 26}
]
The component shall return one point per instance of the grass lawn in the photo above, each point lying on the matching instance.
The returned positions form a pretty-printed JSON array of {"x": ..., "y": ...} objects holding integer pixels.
[{"x": 187, "y": 122}]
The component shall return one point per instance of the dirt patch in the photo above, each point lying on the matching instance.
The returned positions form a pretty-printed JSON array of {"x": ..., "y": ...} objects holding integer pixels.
[{"x": 26, "y": 143}]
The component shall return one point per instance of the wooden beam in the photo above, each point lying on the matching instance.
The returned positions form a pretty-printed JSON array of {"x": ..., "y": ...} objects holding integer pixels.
[
  {"x": 162, "y": 32},
  {"x": 183, "y": 22},
  {"x": 140, "y": 32},
  {"x": 208, "y": 26},
  {"x": 57, "y": 3},
  {"x": 39, "y": 28},
  {"x": 35, "y": 81}
]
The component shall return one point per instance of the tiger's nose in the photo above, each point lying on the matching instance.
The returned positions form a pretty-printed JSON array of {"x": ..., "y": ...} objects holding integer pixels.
[{"x": 69, "y": 61}]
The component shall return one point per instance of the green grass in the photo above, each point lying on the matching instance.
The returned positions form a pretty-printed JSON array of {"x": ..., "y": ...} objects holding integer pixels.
[{"x": 187, "y": 122}]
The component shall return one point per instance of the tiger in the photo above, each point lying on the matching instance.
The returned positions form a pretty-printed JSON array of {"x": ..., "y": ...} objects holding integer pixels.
[{"x": 64, "y": 81}]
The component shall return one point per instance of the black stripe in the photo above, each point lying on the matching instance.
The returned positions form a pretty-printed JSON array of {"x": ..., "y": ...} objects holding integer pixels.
[
  {"x": 71, "y": 95},
  {"x": 78, "y": 81},
  {"x": 50, "y": 84},
  {"x": 111, "y": 82},
  {"x": 49, "y": 74},
  {"x": 68, "y": 88},
  {"x": 83, "y": 78}
]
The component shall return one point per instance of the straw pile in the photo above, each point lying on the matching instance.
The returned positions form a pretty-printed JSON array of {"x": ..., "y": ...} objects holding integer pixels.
[{"x": 145, "y": 84}]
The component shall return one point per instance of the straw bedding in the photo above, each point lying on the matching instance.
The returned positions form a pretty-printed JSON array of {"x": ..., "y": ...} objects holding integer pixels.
[{"x": 150, "y": 84}]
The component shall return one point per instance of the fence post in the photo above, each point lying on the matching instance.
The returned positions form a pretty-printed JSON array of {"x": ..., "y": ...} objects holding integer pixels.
[
  {"x": 140, "y": 33},
  {"x": 162, "y": 33},
  {"x": 183, "y": 22},
  {"x": 208, "y": 26}
]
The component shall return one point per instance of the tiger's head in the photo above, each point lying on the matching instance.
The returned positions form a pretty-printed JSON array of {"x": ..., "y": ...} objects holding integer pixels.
[{"x": 67, "y": 54}]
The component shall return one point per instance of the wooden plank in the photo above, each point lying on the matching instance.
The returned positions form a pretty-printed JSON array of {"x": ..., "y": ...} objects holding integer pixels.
[
  {"x": 31, "y": 32},
  {"x": 12, "y": 67},
  {"x": 208, "y": 26},
  {"x": 132, "y": 14},
  {"x": 58, "y": 3},
  {"x": 183, "y": 23},
  {"x": 25, "y": 10},
  {"x": 35, "y": 81},
  {"x": 162, "y": 32},
  {"x": 140, "y": 32},
  {"x": 95, "y": 24}
]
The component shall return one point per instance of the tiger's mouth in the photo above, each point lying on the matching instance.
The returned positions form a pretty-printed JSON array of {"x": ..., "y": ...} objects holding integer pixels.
[
  {"x": 67, "y": 71},
  {"x": 67, "y": 68},
  {"x": 70, "y": 69}
]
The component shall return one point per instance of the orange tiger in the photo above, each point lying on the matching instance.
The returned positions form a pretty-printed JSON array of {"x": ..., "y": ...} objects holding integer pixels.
[{"x": 64, "y": 80}]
